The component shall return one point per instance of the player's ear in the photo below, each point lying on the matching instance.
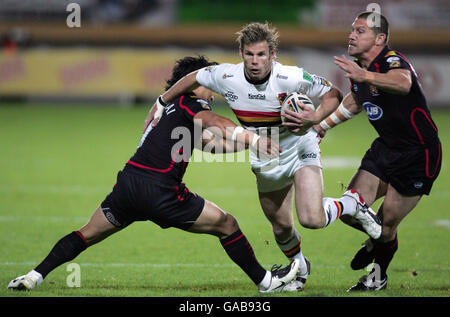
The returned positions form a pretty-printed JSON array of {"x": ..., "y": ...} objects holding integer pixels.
[
  {"x": 273, "y": 54},
  {"x": 380, "y": 39},
  {"x": 241, "y": 53}
]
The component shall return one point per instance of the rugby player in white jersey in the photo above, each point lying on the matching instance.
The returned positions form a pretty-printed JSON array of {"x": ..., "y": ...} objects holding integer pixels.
[{"x": 255, "y": 89}]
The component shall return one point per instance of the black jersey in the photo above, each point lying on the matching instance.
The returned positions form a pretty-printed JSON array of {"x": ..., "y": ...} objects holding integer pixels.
[
  {"x": 164, "y": 151},
  {"x": 402, "y": 121}
]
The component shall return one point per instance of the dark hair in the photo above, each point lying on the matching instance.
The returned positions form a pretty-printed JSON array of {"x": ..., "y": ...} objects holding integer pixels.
[
  {"x": 185, "y": 66},
  {"x": 377, "y": 29}
]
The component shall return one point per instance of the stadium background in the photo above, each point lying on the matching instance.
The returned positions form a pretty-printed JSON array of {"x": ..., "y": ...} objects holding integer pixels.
[{"x": 72, "y": 105}]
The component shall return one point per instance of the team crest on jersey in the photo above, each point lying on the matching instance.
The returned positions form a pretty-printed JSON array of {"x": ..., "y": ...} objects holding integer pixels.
[
  {"x": 225, "y": 76},
  {"x": 281, "y": 97},
  {"x": 373, "y": 111},
  {"x": 393, "y": 61}
]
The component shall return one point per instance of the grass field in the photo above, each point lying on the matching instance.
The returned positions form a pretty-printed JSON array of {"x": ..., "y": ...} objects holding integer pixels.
[{"x": 58, "y": 163}]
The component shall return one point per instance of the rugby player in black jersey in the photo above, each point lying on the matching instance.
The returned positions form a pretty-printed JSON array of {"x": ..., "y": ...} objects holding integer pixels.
[
  {"x": 404, "y": 161},
  {"x": 150, "y": 188}
]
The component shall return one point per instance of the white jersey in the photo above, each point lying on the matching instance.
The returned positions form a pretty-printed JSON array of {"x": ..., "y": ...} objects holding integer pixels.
[{"x": 259, "y": 106}]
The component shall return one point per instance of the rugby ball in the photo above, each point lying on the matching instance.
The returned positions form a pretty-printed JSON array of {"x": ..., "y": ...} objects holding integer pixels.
[{"x": 290, "y": 103}]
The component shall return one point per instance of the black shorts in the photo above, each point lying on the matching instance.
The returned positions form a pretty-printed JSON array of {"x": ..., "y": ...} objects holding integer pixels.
[
  {"x": 137, "y": 197},
  {"x": 411, "y": 172}
]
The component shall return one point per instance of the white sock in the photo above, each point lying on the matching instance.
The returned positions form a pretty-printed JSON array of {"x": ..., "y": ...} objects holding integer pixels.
[
  {"x": 349, "y": 205},
  {"x": 36, "y": 276},
  {"x": 267, "y": 280},
  {"x": 303, "y": 269},
  {"x": 336, "y": 207}
]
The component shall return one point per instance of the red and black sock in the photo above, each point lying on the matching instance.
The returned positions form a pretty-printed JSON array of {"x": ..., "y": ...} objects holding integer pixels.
[
  {"x": 241, "y": 252},
  {"x": 384, "y": 253},
  {"x": 66, "y": 249}
]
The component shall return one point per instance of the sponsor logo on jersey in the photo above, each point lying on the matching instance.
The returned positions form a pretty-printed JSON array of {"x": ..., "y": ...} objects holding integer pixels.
[
  {"x": 322, "y": 81},
  {"x": 373, "y": 111},
  {"x": 257, "y": 96},
  {"x": 230, "y": 96},
  {"x": 307, "y": 76},
  {"x": 225, "y": 76},
  {"x": 309, "y": 156},
  {"x": 282, "y": 76}
]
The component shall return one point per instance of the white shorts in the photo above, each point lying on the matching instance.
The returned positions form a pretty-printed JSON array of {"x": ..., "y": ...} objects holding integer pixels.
[{"x": 275, "y": 174}]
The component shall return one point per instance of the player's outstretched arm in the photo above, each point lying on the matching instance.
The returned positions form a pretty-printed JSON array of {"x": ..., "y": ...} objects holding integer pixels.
[
  {"x": 186, "y": 84},
  {"x": 228, "y": 130},
  {"x": 213, "y": 143},
  {"x": 346, "y": 110},
  {"x": 397, "y": 81}
]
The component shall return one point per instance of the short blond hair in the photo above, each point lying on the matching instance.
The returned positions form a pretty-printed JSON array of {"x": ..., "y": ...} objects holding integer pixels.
[{"x": 256, "y": 32}]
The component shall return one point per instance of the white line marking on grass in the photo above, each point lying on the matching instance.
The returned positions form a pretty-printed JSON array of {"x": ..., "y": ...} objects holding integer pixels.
[
  {"x": 187, "y": 265},
  {"x": 338, "y": 162},
  {"x": 445, "y": 223},
  {"x": 46, "y": 219},
  {"x": 53, "y": 189},
  {"x": 151, "y": 265}
]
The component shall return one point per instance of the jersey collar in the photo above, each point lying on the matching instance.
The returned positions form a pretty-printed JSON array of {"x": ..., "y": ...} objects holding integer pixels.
[
  {"x": 380, "y": 55},
  {"x": 258, "y": 82}
]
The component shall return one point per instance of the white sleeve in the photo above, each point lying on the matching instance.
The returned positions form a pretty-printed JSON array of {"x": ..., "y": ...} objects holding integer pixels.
[
  {"x": 207, "y": 77},
  {"x": 314, "y": 86}
]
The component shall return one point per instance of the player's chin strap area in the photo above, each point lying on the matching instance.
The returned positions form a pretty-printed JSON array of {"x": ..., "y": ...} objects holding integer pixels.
[{"x": 340, "y": 115}]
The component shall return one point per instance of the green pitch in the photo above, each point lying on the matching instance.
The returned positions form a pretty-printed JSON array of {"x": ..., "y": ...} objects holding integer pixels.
[{"x": 58, "y": 163}]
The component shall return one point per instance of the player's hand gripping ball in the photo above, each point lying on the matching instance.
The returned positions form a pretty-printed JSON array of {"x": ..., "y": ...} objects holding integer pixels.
[{"x": 290, "y": 103}]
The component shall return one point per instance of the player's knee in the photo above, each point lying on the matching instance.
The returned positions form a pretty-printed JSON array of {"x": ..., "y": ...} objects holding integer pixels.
[
  {"x": 228, "y": 224},
  {"x": 311, "y": 220}
]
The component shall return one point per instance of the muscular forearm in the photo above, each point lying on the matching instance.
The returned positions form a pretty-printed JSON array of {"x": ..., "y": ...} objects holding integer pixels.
[
  {"x": 346, "y": 110},
  {"x": 214, "y": 144},
  {"x": 330, "y": 102},
  {"x": 185, "y": 84},
  {"x": 394, "y": 82}
]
